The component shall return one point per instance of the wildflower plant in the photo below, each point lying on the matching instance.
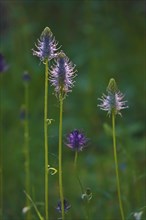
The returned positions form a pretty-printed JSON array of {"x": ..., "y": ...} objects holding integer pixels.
[
  {"x": 77, "y": 141},
  {"x": 61, "y": 77},
  {"x": 46, "y": 50},
  {"x": 113, "y": 103}
]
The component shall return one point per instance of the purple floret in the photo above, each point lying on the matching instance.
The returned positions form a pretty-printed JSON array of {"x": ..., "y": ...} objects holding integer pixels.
[{"x": 76, "y": 140}]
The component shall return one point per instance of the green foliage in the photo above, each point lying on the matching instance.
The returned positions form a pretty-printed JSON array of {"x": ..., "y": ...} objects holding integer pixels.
[{"x": 105, "y": 39}]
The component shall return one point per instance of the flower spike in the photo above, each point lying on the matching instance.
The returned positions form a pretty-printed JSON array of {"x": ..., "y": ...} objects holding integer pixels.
[
  {"x": 62, "y": 74},
  {"x": 47, "y": 46},
  {"x": 113, "y": 101}
]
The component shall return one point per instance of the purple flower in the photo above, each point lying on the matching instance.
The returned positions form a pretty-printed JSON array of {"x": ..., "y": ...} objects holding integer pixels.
[
  {"x": 67, "y": 206},
  {"x": 62, "y": 74},
  {"x": 113, "y": 101},
  {"x": 76, "y": 140},
  {"x": 3, "y": 64},
  {"x": 26, "y": 76},
  {"x": 47, "y": 46}
]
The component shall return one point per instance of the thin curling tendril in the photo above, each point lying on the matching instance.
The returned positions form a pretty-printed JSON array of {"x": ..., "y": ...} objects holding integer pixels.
[
  {"x": 52, "y": 169},
  {"x": 49, "y": 121}
]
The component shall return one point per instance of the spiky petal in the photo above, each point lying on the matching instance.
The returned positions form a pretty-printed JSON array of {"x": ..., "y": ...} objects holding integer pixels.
[
  {"x": 62, "y": 75},
  {"x": 47, "y": 46},
  {"x": 113, "y": 101},
  {"x": 76, "y": 140}
]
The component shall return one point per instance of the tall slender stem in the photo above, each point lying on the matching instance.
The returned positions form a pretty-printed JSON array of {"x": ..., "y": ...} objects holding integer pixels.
[
  {"x": 60, "y": 158},
  {"x": 86, "y": 205},
  {"x": 1, "y": 156},
  {"x": 75, "y": 165},
  {"x": 116, "y": 166},
  {"x": 46, "y": 137},
  {"x": 26, "y": 147},
  {"x": 1, "y": 185}
]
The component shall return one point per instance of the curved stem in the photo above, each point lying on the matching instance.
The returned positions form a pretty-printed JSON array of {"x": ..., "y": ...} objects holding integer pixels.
[
  {"x": 26, "y": 148},
  {"x": 116, "y": 166},
  {"x": 34, "y": 205},
  {"x": 60, "y": 158},
  {"x": 46, "y": 138}
]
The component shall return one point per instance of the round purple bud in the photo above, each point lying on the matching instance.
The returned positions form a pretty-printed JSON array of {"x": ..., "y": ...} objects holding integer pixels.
[
  {"x": 76, "y": 140},
  {"x": 26, "y": 76}
]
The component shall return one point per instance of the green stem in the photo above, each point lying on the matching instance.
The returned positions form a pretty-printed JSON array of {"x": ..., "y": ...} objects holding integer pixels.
[
  {"x": 116, "y": 166},
  {"x": 60, "y": 158},
  {"x": 76, "y": 172},
  {"x": 1, "y": 155},
  {"x": 46, "y": 137},
  {"x": 34, "y": 205},
  {"x": 26, "y": 148},
  {"x": 86, "y": 203},
  {"x": 1, "y": 190}
]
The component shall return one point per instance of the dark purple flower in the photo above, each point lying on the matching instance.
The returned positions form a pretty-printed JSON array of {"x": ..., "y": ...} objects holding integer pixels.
[
  {"x": 47, "y": 46},
  {"x": 113, "y": 101},
  {"x": 67, "y": 206},
  {"x": 76, "y": 140},
  {"x": 62, "y": 74},
  {"x": 3, "y": 64},
  {"x": 26, "y": 76}
]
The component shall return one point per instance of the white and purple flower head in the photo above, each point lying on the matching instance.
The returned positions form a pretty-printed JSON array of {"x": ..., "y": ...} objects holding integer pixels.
[
  {"x": 67, "y": 206},
  {"x": 113, "y": 101},
  {"x": 47, "y": 46},
  {"x": 62, "y": 74},
  {"x": 76, "y": 140}
]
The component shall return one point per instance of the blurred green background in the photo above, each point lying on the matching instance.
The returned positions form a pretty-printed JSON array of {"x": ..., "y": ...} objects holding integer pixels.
[{"x": 104, "y": 39}]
